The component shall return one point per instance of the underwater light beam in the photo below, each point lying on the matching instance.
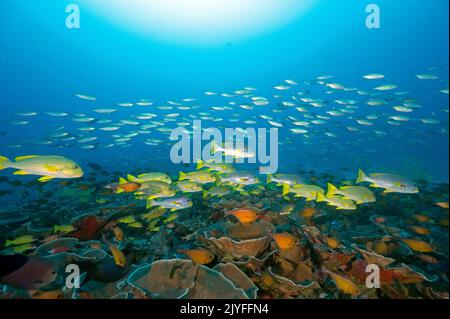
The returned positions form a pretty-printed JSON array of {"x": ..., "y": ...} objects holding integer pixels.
[{"x": 203, "y": 22}]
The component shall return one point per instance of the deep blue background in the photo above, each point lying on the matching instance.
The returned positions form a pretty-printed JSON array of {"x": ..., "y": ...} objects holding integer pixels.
[{"x": 43, "y": 64}]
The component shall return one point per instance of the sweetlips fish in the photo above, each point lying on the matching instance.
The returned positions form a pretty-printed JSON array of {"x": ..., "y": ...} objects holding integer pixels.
[
  {"x": 156, "y": 189},
  {"x": 216, "y": 191},
  {"x": 309, "y": 192},
  {"x": 173, "y": 204},
  {"x": 281, "y": 179},
  {"x": 359, "y": 194},
  {"x": 340, "y": 203},
  {"x": 228, "y": 149},
  {"x": 243, "y": 178},
  {"x": 217, "y": 167},
  {"x": 201, "y": 177},
  {"x": 150, "y": 177},
  {"x": 49, "y": 167},
  {"x": 391, "y": 183}
]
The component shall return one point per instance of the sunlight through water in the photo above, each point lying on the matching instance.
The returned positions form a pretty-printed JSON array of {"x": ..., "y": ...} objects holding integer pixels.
[{"x": 200, "y": 22}]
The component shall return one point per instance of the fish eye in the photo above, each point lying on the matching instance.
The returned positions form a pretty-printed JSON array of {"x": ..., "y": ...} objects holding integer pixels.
[
  {"x": 402, "y": 186},
  {"x": 76, "y": 167}
]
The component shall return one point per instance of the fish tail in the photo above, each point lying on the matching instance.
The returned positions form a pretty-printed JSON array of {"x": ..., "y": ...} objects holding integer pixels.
[
  {"x": 183, "y": 176},
  {"x": 205, "y": 193},
  {"x": 200, "y": 164},
  {"x": 4, "y": 162},
  {"x": 269, "y": 179},
  {"x": 219, "y": 180},
  {"x": 286, "y": 189},
  {"x": 362, "y": 177},
  {"x": 321, "y": 198},
  {"x": 332, "y": 190},
  {"x": 9, "y": 243}
]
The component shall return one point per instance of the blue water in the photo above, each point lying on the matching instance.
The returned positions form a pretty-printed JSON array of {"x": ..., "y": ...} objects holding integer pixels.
[{"x": 43, "y": 65}]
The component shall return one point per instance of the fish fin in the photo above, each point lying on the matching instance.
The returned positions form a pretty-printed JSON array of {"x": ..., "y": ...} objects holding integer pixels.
[
  {"x": 359, "y": 203},
  {"x": 22, "y": 158},
  {"x": 4, "y": 162},
  {"x": 21, "y": 173},
  {"x": 122, "y": 181},
  {"x": 321, "y": 198},
  {"x": 204, "y": 194},
  {"x": 119, "y": 190},
  {"x": 387, "y": 191},
  {"x": 345, "y": 187},
  {"x": 183, "y": 176},
  {"x": 131, "y": 178},
  {"x": 173, "y": 210},
  {"x": 269, "y": 178},
  {"x": 200, "y": 164},
  {"x": 362, "y": 177},
  {"x": 51, "y": 168},
  {"x": 332, "y": 190},
  {"x": 219, "y": 180},
  {"x": 286, "y": 189},
  {"x": 45, "y": 179}
]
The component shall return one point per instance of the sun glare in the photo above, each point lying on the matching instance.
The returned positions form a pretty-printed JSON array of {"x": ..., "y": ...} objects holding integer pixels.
[{"x": 200, "y": 21}]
